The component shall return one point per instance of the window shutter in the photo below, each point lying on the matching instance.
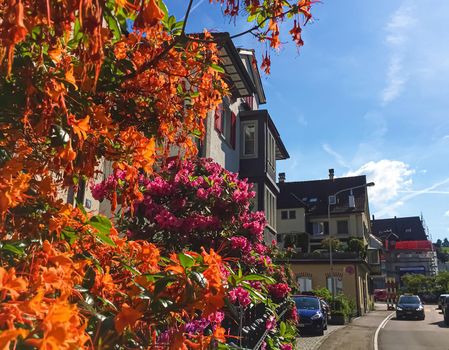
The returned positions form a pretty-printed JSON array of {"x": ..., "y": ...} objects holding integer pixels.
[
  {"x": 233, "y": 129},
  {"x": 218, "y": 116}
]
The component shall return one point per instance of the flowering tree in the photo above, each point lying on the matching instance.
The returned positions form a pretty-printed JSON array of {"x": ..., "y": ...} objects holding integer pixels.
[{"x": 78, "y": 86}]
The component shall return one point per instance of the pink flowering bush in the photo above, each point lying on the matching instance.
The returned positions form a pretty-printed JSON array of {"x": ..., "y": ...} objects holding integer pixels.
[{"x": 197, "y": 205}]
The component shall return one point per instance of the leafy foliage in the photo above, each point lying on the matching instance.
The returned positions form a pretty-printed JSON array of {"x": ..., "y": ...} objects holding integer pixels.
[{"x": 86, "y": 82}]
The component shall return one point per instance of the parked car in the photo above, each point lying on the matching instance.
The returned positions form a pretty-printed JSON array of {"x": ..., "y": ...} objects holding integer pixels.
[
  {"x": 410, "y": 306},
  {"x": 445, "y": 308},
  {"x": 312, "y": 314},
  {"x": 441, "y": 300},
  {"x": 380, "y": 295}
]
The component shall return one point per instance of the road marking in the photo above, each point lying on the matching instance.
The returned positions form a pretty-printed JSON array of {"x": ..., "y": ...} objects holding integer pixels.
[{"x": 382, "y": 325}]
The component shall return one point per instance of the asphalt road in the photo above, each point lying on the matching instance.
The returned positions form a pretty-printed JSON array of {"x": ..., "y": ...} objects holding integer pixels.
[{"x": 430, "y": 333}]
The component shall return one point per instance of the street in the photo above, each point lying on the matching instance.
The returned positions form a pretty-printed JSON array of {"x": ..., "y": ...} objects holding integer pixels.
[
  {"x": 430, "y": 333},
  {"x": 393, "y": 334}
]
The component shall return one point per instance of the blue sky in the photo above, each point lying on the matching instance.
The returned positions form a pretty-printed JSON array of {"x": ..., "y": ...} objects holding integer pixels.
[{"x": 367, "y": 94}]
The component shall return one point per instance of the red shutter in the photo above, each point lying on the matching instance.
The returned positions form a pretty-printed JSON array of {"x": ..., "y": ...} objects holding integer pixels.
[
  {"x": 233, "y": 129},
  {"x": 218, "y": 115}
]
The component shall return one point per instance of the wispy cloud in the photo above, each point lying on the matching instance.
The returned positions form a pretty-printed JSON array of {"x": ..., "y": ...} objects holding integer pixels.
[
  {"x": 395, "y": 80},
  {"x": 338, "y": 157},
  {"x": 428, "y": 192},
  {"x": 390, "y": 177},
  {"x": 389, "y": 208},
  {"x": 397, "y": 34},
  {"x": 446, "y": 213}
]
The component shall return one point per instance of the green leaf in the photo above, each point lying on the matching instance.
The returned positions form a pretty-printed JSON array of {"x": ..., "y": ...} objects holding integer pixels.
[
  {"x": 105, "y": 239},
  {"x": 101, "y": 223},
  {"x": 217, "y": 68},
  {"x": 186, "y": 260},
  {"x": 282, "y": 329},
  {"x": 254, "y": 277},
  {"x": 113, "y": 24},
  {"x": 12, "y": 249}
]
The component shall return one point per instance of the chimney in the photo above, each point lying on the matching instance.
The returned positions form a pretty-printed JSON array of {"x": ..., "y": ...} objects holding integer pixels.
[
  {"x": 374, "y": 218},
  {"x": 281, "y": 177},
  {"x": 331, "y": 174}
]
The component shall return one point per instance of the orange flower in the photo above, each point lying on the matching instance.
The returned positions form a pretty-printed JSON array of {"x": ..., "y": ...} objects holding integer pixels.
[
  {"x": 219, "y": 334},
  {"x": 150, "y": 15},
  {"x": 9, "y": 335},
  {"x": 67, "y": 153},
  {"x": 81, "y": 127},
  {"x": 10, "y": 284},
  {"x": 126, "y": 317},
  {"x": 266, "y": 63}
]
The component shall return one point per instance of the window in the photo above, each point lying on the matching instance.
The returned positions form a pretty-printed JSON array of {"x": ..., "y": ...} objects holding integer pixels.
[
  {"x": 342, "y": 226},
  {"x": 305, "y": 284},
  {"x": 320, "y": 228},
  {"x": 270, "y": 208},
  {"x": 225, "y": 122},
  {"x": 338, "y": 284},
  {"x": 249, "y": 132},
  {"x": 288, "y": 214},
  {"x": 271, "y": 151}
]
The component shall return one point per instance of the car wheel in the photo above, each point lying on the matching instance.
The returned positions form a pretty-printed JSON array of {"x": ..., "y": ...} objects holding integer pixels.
[
  {"x": 320, "y": 331},
  {"x": 446, "y": 320},
  {"x": 423, "y": 317}
]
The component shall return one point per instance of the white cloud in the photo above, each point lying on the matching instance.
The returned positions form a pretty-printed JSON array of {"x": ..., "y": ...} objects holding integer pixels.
[
  {"x": 397, "y": 35},
  {"x": 395, "y": 80},
  {"x": 338, "y": 157},
  {"x": 428, "y": 190},
  {"x": 446, "y": 213},
  {"x": 390, "y": 178}
]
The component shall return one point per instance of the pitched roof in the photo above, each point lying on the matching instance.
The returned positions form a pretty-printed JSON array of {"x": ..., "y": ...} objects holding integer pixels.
[
  {"x": 406, "y": 229},
  {"x": 313, "y": 195},
  {"x": 238, "y": 76}
]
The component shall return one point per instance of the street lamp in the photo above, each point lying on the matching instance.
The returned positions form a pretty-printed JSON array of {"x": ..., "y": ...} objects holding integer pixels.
[{"x": 333, "y": 200}]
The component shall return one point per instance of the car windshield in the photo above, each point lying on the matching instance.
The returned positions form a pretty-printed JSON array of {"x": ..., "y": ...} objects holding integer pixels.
[
  {"x": 307, "y": 303},
  {"x": 409, "y": 300}
]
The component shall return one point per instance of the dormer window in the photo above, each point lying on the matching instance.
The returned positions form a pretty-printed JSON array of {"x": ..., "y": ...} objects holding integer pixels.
[{"x": 249, "y": 142}]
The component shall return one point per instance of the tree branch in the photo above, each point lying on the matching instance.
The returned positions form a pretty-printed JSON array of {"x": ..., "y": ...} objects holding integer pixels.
[{"x": 186, "y": 17}]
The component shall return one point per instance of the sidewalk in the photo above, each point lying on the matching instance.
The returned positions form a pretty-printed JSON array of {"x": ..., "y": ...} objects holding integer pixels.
[
  {"x": 310, "y": 342},
  {"x": 357, "y": 335}
]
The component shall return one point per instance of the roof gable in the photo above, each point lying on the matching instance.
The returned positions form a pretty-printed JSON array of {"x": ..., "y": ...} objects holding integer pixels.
[
  {"x": 405, "y": 229},
  {"x": 313, "y": 195}
]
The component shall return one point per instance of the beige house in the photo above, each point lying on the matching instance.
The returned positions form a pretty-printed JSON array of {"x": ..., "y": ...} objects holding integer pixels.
[{"x": 310, "y": 211}]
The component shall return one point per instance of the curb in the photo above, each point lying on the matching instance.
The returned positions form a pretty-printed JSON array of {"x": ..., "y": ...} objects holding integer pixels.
[{"x": 320, "y": 342}]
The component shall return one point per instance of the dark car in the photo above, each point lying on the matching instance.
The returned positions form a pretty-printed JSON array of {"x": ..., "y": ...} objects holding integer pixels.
[
  {"x": 442, "y": 300},
  {"x": 312, "y": 315},
  {"x": 446, "y": 312},
  {"x": 410, "y": 306}
]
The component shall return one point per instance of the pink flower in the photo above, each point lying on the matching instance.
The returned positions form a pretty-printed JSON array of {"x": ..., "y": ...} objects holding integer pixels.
[
  {"x": 241, "y": 296},
  {"x": 279, "y": 290},
  {"x": 240, "y": 243},
  {"x": 201, "y": 193},
  {"x": 216, "y": 317},
  {"x": 271, "y": 323},
  {"x": 286, "y": 347}
]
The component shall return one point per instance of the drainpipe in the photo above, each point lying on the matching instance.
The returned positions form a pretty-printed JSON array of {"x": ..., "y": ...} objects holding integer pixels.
[{"x": 357, "y": 289}]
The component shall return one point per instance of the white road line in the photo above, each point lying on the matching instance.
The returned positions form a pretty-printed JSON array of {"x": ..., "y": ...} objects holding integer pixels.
[{"x": 382, "y": 325}]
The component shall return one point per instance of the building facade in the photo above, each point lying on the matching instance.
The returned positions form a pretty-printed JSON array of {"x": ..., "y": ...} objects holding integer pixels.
[
  {"x": 337, "y": 208},
  {"x": 406, "y": 248}
]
